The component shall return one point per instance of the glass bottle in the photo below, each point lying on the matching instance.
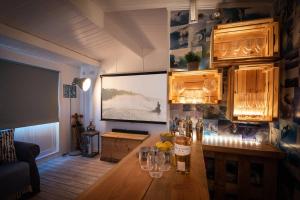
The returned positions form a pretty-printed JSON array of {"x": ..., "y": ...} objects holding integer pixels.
[
  {"x": 189, "y": 127},
  {"x": 182, "y": 152},
  {"x": 199, "y": 129},
  {"x": 181, "y": 128}
]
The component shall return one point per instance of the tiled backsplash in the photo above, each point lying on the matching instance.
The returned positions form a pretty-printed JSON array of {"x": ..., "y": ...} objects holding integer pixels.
[{"x": 216, "y": 124}]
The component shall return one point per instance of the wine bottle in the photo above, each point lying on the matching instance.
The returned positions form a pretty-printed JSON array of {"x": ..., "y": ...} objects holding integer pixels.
[
  {"x": 182, "y": 152},
  {"x": 199, "y": 129},
  {"x": 189, "y": 127}
]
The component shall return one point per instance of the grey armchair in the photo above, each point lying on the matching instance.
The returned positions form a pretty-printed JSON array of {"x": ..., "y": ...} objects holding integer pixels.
[{"x": 14, "y": 177}]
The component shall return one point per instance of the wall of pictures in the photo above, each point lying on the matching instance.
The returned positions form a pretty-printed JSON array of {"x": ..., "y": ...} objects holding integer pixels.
[
  {"x": 185, "y": 37},
  {"x": 283, "y": 133}
]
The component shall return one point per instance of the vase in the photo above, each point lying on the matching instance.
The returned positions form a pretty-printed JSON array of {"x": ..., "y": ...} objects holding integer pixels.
[{"x": 193, "y": 66}]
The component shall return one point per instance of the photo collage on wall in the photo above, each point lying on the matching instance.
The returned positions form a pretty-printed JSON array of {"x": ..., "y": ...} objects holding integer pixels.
[
  {"x": 195, "y": 37},
  {"x": 285, "y": 133},
  {"x": 186, "y": 37}
]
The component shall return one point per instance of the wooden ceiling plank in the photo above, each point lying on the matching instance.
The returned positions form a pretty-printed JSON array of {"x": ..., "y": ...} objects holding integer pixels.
[
  {"x": 19, "y": 35},
  {"x": 90, "y": 10}
]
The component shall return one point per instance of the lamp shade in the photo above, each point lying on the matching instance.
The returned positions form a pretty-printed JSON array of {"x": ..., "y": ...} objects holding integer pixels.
[{"x": 83, "y": 83}]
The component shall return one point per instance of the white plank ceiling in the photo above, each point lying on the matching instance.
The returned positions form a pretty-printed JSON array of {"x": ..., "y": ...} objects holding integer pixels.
[
  {"x": 117, "y": 5},
  {"x": 140, "y": 25}
]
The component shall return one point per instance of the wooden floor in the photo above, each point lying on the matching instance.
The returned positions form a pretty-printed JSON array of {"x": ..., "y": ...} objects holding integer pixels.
[{"x": 66, "y": 177}]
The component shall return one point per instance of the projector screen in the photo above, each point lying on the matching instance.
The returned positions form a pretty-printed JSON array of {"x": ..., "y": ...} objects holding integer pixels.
[
  {"x": 136, "y": 97},
  {"x": 28, "y": 95}
]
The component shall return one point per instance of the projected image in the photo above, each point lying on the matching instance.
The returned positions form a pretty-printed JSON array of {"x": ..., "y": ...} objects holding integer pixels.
[{"x": 134, "y": 97}]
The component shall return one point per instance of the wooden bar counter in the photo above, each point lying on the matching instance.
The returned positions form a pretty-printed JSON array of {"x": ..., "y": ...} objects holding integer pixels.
[{"x": 129, "y": 182}]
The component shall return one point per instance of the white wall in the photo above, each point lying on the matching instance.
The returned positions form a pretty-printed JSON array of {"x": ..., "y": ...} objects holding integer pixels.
[{"x": 66, "y": 75}]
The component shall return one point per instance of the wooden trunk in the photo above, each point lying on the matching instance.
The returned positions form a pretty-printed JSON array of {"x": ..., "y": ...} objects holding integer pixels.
[{"x": 115, "y": 146}]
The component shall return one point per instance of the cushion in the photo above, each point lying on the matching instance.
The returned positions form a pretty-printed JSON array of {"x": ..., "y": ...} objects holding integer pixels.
[{"x": 7, "y": 152}]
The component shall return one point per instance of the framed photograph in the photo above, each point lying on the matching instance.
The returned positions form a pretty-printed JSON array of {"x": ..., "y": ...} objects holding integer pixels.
[
  {"x": 179, "y": 38},
  {"x": 210, "y": 127},
  {"x": 179, "y": 18},
  {"x": 134, "y": 97},
  {"x": 69, "y": 91}
]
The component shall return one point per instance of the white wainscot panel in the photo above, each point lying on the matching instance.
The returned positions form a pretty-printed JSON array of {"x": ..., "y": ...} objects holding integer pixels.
[{"x": 45, "y": 135}]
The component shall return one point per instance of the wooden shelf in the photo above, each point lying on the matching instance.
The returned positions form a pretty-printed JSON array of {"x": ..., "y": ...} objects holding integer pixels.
[
  {"x": 194, "y": 87},
  {"x": 253, "y": 92},
  {"x": 241, "y": 42}
]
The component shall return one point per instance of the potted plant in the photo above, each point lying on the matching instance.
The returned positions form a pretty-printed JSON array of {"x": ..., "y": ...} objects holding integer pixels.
[{"x": 193, "y": 60}]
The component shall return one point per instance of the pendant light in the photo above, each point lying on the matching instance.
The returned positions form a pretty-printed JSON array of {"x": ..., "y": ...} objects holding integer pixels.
[{"x": 193, "y": 12}]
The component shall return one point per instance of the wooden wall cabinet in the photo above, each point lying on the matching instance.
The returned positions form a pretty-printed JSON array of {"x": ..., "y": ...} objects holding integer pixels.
[
  {"x": 115, "y": 146},
  {"x": 242, "y": 42},
  {"x": 243, "y": 172},
  {"x": 195, "y": 87},
  {"x": 253, "y": 92}
]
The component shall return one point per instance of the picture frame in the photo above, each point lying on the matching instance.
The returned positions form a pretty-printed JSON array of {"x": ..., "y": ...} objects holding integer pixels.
[{"x": 143, "y": 99}]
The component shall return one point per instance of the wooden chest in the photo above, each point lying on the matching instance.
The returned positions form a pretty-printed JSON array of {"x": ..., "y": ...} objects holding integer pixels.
[{"x": 115, "y": 146}]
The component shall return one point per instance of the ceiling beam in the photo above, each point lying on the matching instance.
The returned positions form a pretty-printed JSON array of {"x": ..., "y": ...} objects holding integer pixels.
[
  {"x": 22, "y": 36},
  {"x": 126, "y": 32},
  {"x": 90, "y": 10},
  {"x": 93, "y": 11}
]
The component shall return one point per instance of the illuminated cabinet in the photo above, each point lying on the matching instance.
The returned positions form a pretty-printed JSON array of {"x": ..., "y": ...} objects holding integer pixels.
[
  {"x": 242, "y": 42},
  {"x": 195, "y": 87},
  {"x": 253, "y": 92}
]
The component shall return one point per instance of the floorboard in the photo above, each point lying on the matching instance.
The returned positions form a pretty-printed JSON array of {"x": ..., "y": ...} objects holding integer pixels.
[{"x": 64, "y": 178}]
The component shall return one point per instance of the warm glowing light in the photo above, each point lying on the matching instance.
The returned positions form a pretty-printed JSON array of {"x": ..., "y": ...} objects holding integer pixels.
[
  {"x": 250, "y": 104},
  {"x": 230, "y": 140},
  {"x": 86, "y": 84},
  {"x": 194, "y": 137},
  {"x": 196, "y": 87}
]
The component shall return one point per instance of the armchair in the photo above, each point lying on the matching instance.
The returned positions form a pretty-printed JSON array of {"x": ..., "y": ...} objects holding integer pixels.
[{"x": 14, "y": 177}]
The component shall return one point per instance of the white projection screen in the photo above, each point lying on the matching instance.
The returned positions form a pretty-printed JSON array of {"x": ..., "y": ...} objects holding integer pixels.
[{"x": 135, "y": 97}]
